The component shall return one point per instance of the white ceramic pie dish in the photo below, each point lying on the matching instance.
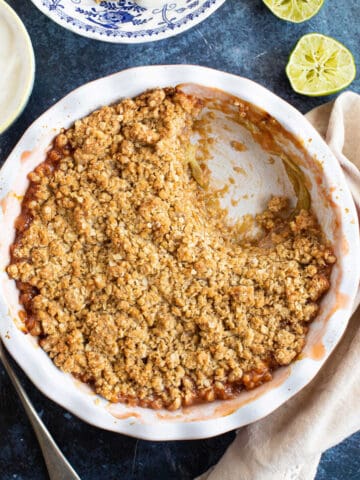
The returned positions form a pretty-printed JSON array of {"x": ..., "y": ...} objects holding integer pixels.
[{"x": 331, "y": 201}]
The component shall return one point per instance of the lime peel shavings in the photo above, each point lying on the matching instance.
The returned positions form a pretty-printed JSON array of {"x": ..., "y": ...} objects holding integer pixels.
[
  {"x": 295, "y": 11},
  {"x": 320, "y": 65}
]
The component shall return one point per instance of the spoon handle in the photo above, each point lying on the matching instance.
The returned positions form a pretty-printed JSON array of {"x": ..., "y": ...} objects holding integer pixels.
[{"x": 57, "y": 465}]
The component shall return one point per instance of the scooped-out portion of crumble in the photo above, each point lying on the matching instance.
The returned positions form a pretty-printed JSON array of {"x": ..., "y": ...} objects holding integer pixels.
[{"x": 136, "y": 283}]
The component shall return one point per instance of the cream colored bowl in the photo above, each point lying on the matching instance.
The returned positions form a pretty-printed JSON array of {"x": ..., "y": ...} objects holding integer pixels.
[
  {"x": 17, "y": 66},
  {"x": 331, "y": 201}
]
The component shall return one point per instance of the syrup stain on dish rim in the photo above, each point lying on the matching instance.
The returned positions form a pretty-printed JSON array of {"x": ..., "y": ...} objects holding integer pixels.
[
  {"x": 26, "y": 154},
  {"x": 124, "y": 416}
]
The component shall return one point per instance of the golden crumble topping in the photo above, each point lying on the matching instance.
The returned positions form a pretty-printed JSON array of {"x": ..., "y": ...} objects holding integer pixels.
[{"x": 135, "y": 285}]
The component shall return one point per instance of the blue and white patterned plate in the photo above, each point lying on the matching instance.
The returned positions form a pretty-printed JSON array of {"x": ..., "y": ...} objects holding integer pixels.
[{"x": 125, "y": 21}]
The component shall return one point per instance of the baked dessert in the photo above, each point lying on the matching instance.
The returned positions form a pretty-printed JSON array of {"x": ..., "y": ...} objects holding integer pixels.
[{"x": 134, "y": 280}]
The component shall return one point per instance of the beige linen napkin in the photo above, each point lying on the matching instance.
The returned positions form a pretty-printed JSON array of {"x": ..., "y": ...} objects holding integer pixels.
[{"x": 287, "y": 444}]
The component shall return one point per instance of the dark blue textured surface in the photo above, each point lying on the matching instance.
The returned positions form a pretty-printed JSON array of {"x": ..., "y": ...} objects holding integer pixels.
[{"x": 242, "y": 37}]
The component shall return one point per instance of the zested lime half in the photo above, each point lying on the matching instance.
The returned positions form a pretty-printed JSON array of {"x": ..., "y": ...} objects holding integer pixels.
[
  {"x": 296, "y": 11},
  {"x": 320, "y": 65}
]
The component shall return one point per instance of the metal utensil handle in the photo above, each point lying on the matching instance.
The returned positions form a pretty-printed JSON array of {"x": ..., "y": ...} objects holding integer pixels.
[{"x": 57, "y": 465}]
